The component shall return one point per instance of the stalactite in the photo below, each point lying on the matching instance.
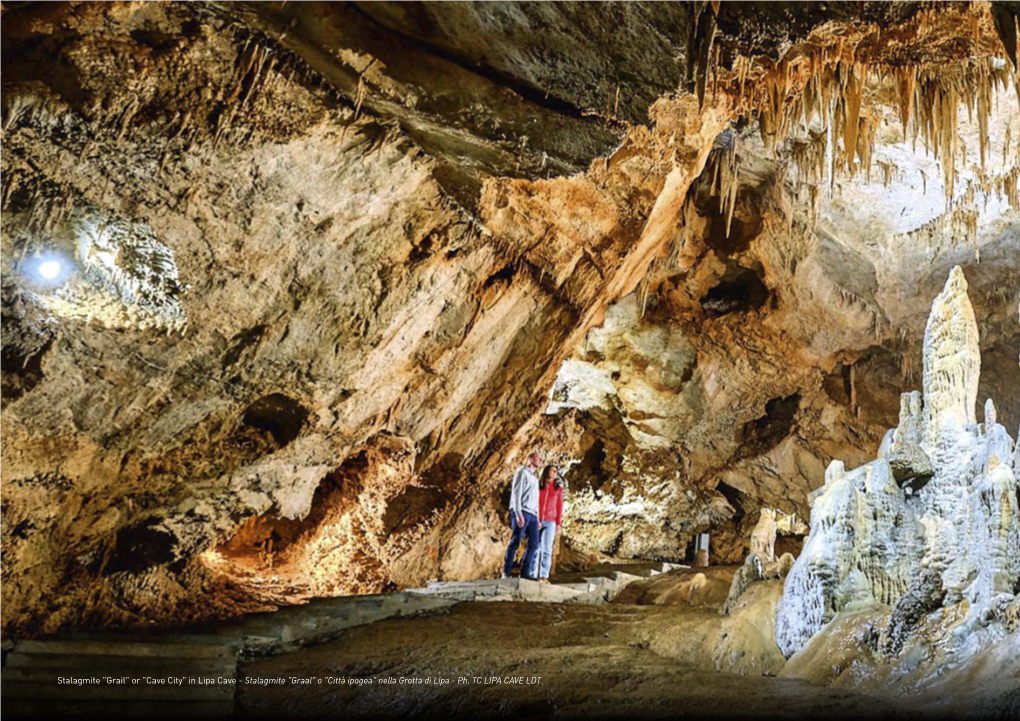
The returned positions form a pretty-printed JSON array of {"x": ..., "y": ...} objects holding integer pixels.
[
  {"x": 808, "y": 156},
  {"x": 699, "y": 46},
  {"x": 814, "y": 195},
  {"x": 906, "y": 82},
  {"x": 890, "y": 172},
  {"x": 730, "y": 183},
  {"x": 851, "y": 115},
  {"x": 826, "y": 83},
  {"x": 1006, "y": 21},
  {"x": 866, "y": 145},
  {"x": 853, "y": 386}
]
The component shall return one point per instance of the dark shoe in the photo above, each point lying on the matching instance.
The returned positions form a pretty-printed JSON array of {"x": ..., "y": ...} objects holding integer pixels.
[{"x": 529, "y": 578}]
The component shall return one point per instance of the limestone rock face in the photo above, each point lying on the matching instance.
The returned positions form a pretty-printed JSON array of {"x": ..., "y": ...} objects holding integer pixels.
[
  {"x": 953, "y": 539},
  {"x": 294, "y": 327}
]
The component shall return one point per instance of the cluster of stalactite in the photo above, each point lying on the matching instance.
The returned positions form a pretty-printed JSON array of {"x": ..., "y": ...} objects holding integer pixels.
[
  {"x": 721, "y": 179},
  {"x": 937, "y": 96},
  {"x": 960, "y": 222},
  {"x": 726, "y": 182},
  {"x": 818, "y": 107},
  {"x": 829, "y": 130},
  {"x": 262, "y": 67}
]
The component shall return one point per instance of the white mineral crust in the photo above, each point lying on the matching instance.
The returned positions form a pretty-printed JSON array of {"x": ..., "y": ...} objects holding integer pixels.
[{"x": 870, "y": 538}]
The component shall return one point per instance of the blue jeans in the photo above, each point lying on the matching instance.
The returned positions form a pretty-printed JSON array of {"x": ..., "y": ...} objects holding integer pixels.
[
  {"x": 546, "y": 549},
  {"x": 529, "y": 529}
]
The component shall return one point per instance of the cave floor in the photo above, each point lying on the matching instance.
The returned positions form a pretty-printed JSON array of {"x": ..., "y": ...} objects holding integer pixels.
[{"x": 609, "y": 660}]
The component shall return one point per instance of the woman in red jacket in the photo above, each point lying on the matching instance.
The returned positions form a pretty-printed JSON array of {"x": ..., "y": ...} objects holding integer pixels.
[{"x": 550, "y": 517}]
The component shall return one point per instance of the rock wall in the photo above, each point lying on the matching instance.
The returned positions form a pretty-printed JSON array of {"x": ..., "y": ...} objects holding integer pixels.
[
  {"x": 335, "y": 301},
  {"x": 731, "y": 384}
]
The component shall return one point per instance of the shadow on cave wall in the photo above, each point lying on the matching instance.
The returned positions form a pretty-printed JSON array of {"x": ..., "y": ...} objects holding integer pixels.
[
  {"x": 278, "y": 415},
  {"x": 268, "y": 540},
  {"x": 370, "y": 499},
  {"x": 739, "y": 290},
  {"x": 604, "y": 442},
  {"x": 436, "y": 486},
  {"x": 26, "y": 337},
  {"x": 761, "y": 435},
  {"x": 21, "y": 373},
  {"x": 138, "y": 548}
]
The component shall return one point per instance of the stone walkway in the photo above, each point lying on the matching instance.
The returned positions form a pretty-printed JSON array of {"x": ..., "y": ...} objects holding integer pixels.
[
  {"x": 596, "y": 586},
  {"x": 194, "y": 674}
]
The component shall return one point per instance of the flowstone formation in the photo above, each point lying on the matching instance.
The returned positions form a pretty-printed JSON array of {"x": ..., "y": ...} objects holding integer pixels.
[{"x": 932, "y": 523}]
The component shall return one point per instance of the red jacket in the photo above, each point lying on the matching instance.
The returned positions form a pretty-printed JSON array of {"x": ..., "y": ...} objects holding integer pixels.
[{"x": 550, "y": 504}]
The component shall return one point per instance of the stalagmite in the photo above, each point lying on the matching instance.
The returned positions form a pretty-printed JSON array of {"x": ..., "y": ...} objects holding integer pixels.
[
  {"x": 763, "y": 537},
  {"x": 952, "y": 363},
  {"x": 872, "y": 542},
  {"x": 751, "y": 572}
]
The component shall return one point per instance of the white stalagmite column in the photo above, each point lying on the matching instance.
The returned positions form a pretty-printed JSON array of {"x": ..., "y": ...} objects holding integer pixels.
[
  {"x": 957, "y": 534},
  {"x": 952, "y": 362}
]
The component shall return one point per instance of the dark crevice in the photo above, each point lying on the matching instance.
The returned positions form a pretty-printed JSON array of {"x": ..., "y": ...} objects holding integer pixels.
[
  {"x": 792, "y": 544},
  {"x": 765, "y": 433},
  {"x": 590, "y": 472},
  {"x": 837, "y": 385},
  {"x": 279, "y": 415},
  {"x": 20, "y": 374},
  {"x": 739, "y": 290},
  {"x": 155, "y": 39},
  {"x": 139, "y": 548},
  {"x": 503, "y": 275},
  {"x": 732, "y": 496}
]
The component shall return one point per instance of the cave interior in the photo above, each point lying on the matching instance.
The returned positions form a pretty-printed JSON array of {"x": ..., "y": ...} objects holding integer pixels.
[{"x": 291, "y": 290}]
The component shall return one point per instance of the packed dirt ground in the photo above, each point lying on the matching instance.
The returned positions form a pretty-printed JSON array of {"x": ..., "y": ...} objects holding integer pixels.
[{"x": 648, "y": 653}]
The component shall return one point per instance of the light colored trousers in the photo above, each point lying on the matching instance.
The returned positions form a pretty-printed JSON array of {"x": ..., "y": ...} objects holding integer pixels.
[{"x": 543, "y": 559}]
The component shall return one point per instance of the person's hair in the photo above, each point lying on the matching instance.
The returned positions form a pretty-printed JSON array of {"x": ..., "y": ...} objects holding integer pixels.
[{"x": 544, "y": 478}]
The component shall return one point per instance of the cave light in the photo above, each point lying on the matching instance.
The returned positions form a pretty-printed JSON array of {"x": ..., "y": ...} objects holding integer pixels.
[{"x": 50, "y": 269}]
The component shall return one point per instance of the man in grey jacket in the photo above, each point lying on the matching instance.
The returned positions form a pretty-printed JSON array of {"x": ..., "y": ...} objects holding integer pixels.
[{"x": 524, "y": 516}]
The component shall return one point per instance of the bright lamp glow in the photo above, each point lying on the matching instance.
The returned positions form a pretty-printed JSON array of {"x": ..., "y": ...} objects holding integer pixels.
[{"x": 49, "y": 269}]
